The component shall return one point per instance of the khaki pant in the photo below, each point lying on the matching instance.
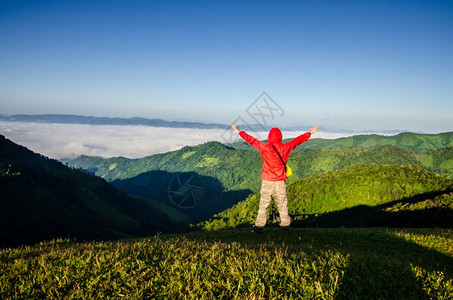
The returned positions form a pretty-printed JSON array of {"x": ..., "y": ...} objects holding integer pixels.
[{"x": 276, "y": 189}]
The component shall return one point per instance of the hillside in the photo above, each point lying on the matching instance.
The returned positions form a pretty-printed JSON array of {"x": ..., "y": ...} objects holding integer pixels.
[
  {"x": 43, "y": 199},
  {"x": 372, "y": 195},
  {"x": 414, "y": 142},
  {"x": 230, "y": 175},
  {"x": 217, "y": 160},
  {"x": 210, "y": 159}
]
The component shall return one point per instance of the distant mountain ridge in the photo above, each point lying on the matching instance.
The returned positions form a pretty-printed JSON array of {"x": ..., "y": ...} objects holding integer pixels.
[
  {"x": 90, "y": 120},
  {"x": 156, "y": 122}
]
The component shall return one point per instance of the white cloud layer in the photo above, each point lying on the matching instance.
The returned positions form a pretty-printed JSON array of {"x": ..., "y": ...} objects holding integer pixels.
[{"x": 69, "y": 140}]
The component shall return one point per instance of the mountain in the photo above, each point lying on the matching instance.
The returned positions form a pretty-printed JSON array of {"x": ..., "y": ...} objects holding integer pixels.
[
  {"x": 74, "y": 119},
  {"x": 91, "y": 120},
  {"x": 309, "y": 162},
  {"x": 221, "y": 176},
  {"x": 362, "y": 195},
  {"x": 189, "y": 185},
  {"x": 232, "y": 168},
  {"x": 414, "y": 142},
  {"x": 240, "y": 169},
  {"x": 41, "y": 198},
  {"x": 227, "y": 176}
]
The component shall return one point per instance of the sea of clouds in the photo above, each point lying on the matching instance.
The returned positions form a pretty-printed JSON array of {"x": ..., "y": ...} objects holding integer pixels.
[{"x": 71, "y": 140}]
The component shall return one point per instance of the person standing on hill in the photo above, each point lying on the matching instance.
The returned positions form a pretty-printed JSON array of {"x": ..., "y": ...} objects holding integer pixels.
[{"x": 274, "y": 155}]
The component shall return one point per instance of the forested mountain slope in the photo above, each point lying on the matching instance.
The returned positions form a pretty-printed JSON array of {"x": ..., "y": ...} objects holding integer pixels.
[
  {"x": 372, "y": 195},
  {"x": 41, "y": 199},
  {"x": 240, "y": 170},
  {"x": 228, "y": 175}
]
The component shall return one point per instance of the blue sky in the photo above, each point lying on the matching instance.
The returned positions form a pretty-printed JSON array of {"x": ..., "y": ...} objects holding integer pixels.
[{"x": 341, "y": 64}]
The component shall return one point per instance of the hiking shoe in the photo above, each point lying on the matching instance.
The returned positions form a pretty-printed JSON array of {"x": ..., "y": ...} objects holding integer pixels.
[
  {"x": 257, "y": 229},
  {"x": 286, "y": 228}
]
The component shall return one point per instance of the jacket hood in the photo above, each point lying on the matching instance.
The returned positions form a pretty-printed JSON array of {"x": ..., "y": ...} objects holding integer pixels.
[{"x": 275, "y": 136}]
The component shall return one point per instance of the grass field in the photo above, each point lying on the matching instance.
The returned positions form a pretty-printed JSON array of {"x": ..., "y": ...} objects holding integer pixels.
[{"x": 305, "y": 263}]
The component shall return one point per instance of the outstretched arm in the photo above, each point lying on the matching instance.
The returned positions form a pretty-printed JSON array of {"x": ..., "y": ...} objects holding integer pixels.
[
  {"x": 302, "y": 138},
  {"x": 248, "y": 138},
  {"x": 235, "y": 128},
  {"x": 314, "y": 129}
]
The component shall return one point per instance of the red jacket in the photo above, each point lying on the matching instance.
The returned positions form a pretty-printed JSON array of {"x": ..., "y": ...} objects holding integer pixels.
[{"x": 273, "y": 169}]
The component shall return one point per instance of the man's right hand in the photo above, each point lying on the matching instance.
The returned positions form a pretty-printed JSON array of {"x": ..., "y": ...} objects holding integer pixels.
[{"x": 235, "y": 128}]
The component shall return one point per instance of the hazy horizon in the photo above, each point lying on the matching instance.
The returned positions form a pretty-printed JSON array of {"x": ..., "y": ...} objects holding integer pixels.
[
  {"x": 358, "y": 65},
  {"x": 132, "y": 141}
]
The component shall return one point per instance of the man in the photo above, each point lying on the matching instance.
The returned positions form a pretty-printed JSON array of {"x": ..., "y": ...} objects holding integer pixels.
[{"x": 274, "y": 155}]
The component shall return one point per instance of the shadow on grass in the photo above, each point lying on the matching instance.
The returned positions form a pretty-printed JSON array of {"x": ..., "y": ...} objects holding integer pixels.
[{"x": 382, "y": 262}]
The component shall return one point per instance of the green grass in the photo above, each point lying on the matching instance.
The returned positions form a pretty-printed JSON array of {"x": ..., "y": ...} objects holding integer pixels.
[{"x": 305, "y": 263}]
